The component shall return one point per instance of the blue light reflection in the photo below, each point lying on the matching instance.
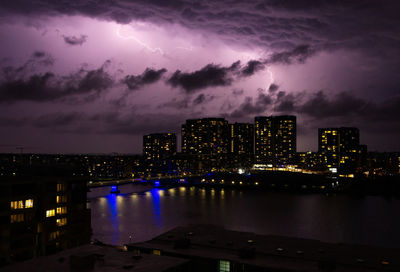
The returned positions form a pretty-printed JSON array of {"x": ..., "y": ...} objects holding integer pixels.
[{"x": 155, "y": 197}]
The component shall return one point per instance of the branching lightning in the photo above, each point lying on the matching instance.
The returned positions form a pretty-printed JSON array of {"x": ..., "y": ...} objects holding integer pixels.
[
  {"x": 131, "y": 37},
  {"x": 271, "y": 75}
]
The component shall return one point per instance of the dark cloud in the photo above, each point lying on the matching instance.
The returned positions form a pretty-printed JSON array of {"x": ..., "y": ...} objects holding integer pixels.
[
  {"x": 250, "y": 107},
  {"x": 202, "y": 99},
  {"x": 237, "y": 92},
  {"x": 199, "y": 99},
  {"x": 176, "y": 103},
  {"x": 252, "y": 67},
  {"x": 210, "y": 75},
  {"x": 297, "y": 55},
  {"x": 149, "y": 76},
  {"x": 273, "y": 87},
  {"x": 16, "y": 86},
  {"x": 73, "y": 40},
  {"x": 38, "y": 60},
  {"x": 272, "y": 24},
  {"x": 319, "y": 105}
]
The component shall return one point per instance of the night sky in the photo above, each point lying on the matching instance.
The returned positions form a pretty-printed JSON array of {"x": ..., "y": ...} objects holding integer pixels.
[{"x": 94, "y": 76}]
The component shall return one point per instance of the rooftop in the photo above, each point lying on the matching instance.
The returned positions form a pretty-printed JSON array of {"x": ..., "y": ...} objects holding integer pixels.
[
  {"x": 96, "y": 258},
  {"x": 268, "y": 251}
]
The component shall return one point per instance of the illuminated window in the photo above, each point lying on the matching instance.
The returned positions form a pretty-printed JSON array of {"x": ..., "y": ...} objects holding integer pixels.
[
  {"x": 50, "y": 213},
  {"x": 60, "y": 187},
  {"x": 61, "y": 210},
  {"x": 29, "y": 203},
  {"x": 54, "y": 235},
  {"x": 156, "y": 252},
  {"x": 61, "y": 222},
  {"x": 224, "y": 266},
  {"x": 17, "y": 204},
  {"x": 61, "y": 199},
  {"x": 15, "y": 218}
]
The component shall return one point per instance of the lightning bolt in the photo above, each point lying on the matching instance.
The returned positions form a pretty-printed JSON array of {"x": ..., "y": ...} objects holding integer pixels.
[
  {"x": 271, "y": 76},
  {"x": 131, "y": 37}
]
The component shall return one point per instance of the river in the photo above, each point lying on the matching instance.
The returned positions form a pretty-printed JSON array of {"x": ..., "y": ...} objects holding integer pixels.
[{"x": 135, "y": 215}]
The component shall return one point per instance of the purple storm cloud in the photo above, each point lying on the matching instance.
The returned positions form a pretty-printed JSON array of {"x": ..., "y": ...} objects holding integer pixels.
[{"x": 78, "y": 76}]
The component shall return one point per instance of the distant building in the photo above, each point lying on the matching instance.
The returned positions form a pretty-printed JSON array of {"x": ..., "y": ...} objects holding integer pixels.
[
  {"x": 328, "y": 145},
  {"x": 241, "y": 144},
  {"x": 275, "y": 139},
  {"x": 310, "y": 160},
  {"x": 159, "y": 146},
  {"x": 41, "y": 216},
  {"x": 341, "y": 148},
  {"x": 207, "y": 140}
]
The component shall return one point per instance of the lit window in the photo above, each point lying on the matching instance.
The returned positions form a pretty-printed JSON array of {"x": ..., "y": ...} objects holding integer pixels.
[
  {"x": 224, "y": 266},
  {"x": 61, "y": 222},
  {"x": 50, "y": 213},
  {"x": 54, "y": 235},
  {"x": 156, "y": 252},
  {"x": 60, "y": 187},
  {"x": 17, "y": 204},
  {"x": 17, "y": 218},
  {"x": 29, "y": 203},
  {"x": 61, "y": 210},
  {"x": 61, "y": 199}
]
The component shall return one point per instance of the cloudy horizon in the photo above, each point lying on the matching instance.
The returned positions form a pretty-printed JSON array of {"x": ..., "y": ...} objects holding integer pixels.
[{"x": 94, "y": 77}]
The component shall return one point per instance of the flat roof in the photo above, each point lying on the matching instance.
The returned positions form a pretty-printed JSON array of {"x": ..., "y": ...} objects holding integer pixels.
[
  {"x": 294, "y": 254},
  {"x": 108, "y": 258}
]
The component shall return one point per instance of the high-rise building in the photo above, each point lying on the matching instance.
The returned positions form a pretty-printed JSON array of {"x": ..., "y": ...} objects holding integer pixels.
[
  {"x": 207, "y": 140},
  {"x": 241, "y": 144},
  {"x": 159, "y": 146},
  {"x": 340, "y": 148},
  {"x": 328, "y": 145},
  {"x": 275, "y": 139},
  {"x": 350, "y": 149}
]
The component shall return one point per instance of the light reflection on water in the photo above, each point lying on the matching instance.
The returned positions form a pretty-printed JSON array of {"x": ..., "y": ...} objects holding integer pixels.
[{"x": 368, "y": 220}]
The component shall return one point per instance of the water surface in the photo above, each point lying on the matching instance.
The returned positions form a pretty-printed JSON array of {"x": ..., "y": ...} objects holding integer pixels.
[{"x": 139, "y": 216}]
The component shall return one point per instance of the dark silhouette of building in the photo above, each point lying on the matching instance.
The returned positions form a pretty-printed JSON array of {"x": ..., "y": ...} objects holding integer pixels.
[
  {"x": 341, "y": 149},
  {"x": 241, "y": 144},
  {"x": 275, "y": 140},
  {"x": 213, "y": 248},
  {"x": 40, "y": 215}
]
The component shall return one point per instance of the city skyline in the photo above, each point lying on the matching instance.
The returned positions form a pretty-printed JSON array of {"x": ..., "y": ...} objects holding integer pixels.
[{"x": 78, "y": 77}]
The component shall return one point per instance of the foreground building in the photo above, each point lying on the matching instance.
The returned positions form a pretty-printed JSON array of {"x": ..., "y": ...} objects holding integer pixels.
[
  {"x": 212, "y": 248},
  {"x": 275, "y": 140},
  {"x": 41, "y": 215},
  {"x": 100, "y": 258}
]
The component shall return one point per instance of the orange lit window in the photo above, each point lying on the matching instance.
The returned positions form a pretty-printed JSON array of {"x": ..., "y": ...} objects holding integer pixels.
[
  {"x": 61, "y": 222},
  {"x": 50, "y": 213},
  {"x": 17, "y": 218},
  {"x": 17, "y": 204},
  {"x": 60, "y": 187},
  {"x": 61, "y": 210},
  {"x": 54, "y": 235},
  {"x": 29, "y": 203},
  {"x": 61, "y": 199}
]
